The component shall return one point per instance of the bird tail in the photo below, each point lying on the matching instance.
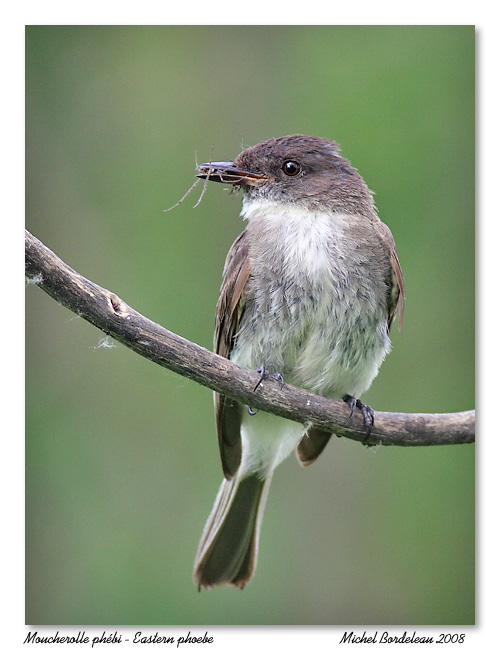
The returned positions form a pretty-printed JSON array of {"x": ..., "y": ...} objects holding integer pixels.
[{"x": 227, "y": 553}]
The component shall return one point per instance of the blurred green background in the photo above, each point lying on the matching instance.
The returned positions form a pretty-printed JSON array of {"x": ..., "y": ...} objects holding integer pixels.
[{"x": 121, "y": 455}]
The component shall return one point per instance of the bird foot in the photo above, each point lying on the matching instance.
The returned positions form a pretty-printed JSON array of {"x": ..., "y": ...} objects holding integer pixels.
[
  {"x": 264, "y": 374},
  {"x": 367, "y": 412}
]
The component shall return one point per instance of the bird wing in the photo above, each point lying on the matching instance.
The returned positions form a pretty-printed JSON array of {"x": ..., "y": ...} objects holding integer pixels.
[
  {"x": 396, "y": 296},
  {"x": 230, "y": 308}
]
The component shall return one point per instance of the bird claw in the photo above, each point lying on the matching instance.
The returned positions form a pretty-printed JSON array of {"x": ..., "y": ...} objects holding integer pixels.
[
  {"x": 268, "y": 375},
  {"x": 367, "y": 412},
  {"x": 264, "y": 375}
]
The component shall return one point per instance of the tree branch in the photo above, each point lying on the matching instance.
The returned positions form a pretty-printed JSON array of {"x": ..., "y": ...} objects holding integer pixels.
[{"x": 113, "y": 316}]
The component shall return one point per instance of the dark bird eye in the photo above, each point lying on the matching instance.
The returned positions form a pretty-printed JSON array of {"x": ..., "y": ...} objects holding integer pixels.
[{"x": 291, "y": 168}]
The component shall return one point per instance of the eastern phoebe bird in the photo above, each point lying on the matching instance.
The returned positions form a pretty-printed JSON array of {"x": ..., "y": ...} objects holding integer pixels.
[{"x": 310, "y": 290}]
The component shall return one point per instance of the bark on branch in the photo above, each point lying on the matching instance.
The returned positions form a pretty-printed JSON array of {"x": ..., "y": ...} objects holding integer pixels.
[{"x": 113, "y": 316}]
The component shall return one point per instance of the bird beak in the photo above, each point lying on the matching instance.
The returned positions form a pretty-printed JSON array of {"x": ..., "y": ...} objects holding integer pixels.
[{"x": 228, "y": 172}]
